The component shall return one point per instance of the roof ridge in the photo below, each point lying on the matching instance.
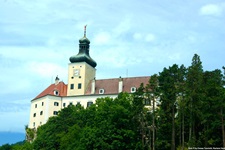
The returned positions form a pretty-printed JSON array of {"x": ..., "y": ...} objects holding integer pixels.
[{"x": 124, "y": 78}]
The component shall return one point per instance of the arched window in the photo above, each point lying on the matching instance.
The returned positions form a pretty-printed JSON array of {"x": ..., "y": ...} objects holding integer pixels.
[{"x": 56, "y": 104}]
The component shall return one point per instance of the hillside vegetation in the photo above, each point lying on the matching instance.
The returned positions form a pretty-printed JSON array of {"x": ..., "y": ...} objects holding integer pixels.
[{"x": 181, "y": 107}]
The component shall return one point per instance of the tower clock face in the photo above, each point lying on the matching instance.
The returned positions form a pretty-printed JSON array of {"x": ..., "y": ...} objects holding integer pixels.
[{"x": 76, "y": 72}]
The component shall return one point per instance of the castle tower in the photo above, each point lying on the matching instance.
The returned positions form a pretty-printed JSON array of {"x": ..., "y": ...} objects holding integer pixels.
[{"x": 81, "y": 69}]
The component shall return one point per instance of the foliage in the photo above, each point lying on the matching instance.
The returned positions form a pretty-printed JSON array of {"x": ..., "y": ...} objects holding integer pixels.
[
  {"x": 17, "y": 146},
  {"x": 185, "y": 108},
  {"x": 107, "y": 124}
]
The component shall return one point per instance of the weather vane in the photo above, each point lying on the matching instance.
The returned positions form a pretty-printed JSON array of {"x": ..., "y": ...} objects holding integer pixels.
[{"x": 85, "y": 30}]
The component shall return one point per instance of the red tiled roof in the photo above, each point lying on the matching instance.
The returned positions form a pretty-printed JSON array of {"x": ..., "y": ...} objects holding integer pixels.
[
  {"x": 111, "y": 86},
  {"x": 134, "y": 82},
  {"x": 61, "y": 87}
]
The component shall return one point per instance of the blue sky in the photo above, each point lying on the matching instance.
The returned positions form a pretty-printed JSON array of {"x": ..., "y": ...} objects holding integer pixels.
[{"x": 128, "y": 38}]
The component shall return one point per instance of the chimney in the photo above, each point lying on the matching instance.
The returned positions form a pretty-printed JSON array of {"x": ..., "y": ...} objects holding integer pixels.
[
  {"x": 120, "y": 88},
  {"x": 93, "y": 86},
  {"x": 56, "y": 80}
]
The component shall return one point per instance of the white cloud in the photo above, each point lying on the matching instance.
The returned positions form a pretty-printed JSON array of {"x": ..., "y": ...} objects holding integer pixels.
[
  {"x": 211, "y": 9},
  {"x": 25, "y": 68},
  {"x": 137, "y": 36},
  {"x": 30, "y": 53},
  {"x": 102, "y": 38},
  {"x": 149, "y": 37},
  {"x": 123, "y": 27},
  {"x": 15, "y": 85},
  {"x": 46, "y": 69},
  {"x": 174, "y": 56}
]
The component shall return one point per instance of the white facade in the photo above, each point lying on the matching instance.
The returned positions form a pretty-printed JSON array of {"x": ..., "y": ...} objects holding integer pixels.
[{"x": 48, "y": 106}]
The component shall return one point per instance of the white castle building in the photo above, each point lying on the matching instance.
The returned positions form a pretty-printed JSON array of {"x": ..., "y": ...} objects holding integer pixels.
[{"x": 82, "y": 87}]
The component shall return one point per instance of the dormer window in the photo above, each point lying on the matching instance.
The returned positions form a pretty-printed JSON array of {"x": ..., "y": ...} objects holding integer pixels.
[
  {"x": 56, "y": 92},
  {"x": 101, "y": 91},
  {"x": 133, "y": 89}
]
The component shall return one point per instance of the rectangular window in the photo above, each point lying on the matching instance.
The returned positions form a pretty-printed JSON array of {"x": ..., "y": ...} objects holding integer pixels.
[
  {"x": 71, "y": 86},
  {"x": 33, "y": 124},
  {"x": 41, "y": 113},
  {"x": 79, "y": 86},
  {"x": 34, "y": 115},
  {"x": 35, "y": 105},
  {"x": 42, "y": 103},
  {"x": 55, "y": 112},
  {"x": 64, "y": 104},
  {"x": 89, "y": 103}
]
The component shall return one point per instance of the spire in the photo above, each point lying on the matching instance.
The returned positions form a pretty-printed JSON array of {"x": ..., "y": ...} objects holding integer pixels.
[
  {"x": 56, "y": 80},
  {"x": 85, "y": 30},
  {"x": 83, "y": 55}
]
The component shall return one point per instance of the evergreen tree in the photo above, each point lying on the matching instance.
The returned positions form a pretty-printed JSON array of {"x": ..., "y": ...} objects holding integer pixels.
[
  {"x": 195, "y": 95},
  {"x": 152, "y": 92},
  {"x": 212, "y": 103},
  {"x": 169, "y": 81}
]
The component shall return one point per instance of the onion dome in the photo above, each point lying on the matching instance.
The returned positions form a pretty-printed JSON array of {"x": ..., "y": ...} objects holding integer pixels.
[
  {"x": 83, "y": 55},
  {"x": 84, "y": 40}
]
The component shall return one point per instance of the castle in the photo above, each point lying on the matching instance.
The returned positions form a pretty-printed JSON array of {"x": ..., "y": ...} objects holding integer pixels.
[{"x": 82, "y": 88}]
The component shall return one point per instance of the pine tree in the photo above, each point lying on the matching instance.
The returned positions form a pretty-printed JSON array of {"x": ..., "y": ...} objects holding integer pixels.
[
  {"x": 195, "y": 96},
  {"x": 169, "y": 82}
]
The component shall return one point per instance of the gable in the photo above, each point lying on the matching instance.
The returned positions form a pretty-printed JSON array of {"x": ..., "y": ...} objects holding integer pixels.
[{"x": 59, "y": 89}]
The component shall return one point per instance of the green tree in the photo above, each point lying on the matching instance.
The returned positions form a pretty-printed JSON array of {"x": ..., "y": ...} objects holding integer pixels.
[
  {"x": 152, "y": 92},
  {"x": 211, "y": 107},
  {"x": 6, "y": 147},
  {"x": 107, "y": 124},
  {"x": 195, "y": 93},
  {"x": 222, "y": 107},
  {"x": 113, "y": 127},
  {"x": 170, "y": 81},
  {"x": 71, "y": 139},
  {"x": 139, "y": 115},
  {"x": 22, "y": 146},
  {"x": 49, "y": 135}
]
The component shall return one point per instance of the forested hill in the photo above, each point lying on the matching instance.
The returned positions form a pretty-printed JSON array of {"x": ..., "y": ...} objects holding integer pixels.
[{"x": 188, "y": 113}]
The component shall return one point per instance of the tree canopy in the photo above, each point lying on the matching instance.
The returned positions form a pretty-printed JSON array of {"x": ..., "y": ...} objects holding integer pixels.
[{"x": 181, "y": 107}]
